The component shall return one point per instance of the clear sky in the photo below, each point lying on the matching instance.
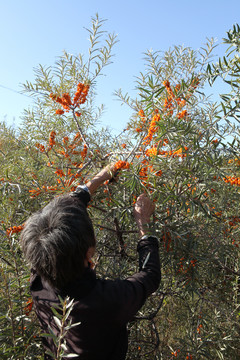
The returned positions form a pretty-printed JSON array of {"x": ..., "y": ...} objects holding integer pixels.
[{"x": 36, "y": 32}]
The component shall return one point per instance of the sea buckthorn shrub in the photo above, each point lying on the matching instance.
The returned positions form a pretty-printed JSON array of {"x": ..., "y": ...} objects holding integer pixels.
[
  {"x": 186, "y": 147},
  {"x": 178, "y": 147}
]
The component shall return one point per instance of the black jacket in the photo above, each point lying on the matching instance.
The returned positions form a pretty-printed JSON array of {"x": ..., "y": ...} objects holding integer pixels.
[{"x": 103, "y": 307}]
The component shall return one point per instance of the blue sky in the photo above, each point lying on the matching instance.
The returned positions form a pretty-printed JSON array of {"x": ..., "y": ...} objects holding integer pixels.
[{"x": 36, "y": 32}]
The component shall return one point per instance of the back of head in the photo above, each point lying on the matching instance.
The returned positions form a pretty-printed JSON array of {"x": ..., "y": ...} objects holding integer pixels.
[{"x": 55, "y": 240}]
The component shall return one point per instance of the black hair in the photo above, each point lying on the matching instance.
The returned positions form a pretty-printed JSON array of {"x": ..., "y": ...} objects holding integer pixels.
[{"x": 55, "y": 240}]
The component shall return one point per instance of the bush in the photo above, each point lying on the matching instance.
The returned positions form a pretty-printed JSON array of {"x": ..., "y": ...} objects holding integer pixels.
[{"x": 182, "y": 149}]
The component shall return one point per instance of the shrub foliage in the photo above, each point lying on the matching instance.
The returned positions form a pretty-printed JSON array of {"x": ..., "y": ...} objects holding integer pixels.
[{"x": 179, "y": 147}]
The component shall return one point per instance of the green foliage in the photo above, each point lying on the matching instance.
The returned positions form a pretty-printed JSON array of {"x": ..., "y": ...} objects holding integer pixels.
[
  {"x": 64, "y": 324},
  {"x": 63, "y": 77},
  {"x": 228, "y": 69},
  {"x": 183, "y": 151}
]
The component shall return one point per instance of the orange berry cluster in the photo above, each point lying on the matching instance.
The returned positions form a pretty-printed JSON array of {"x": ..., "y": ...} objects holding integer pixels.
[
  {"x": 236, "y": 160},
  {"x": 143, "y": 175},
  {"x": 152, "y": 128},
  {"x": 168, "y": 105},
  {"x": 181, "y": 152},
  {"x": 177, "y": 153},
  {"x": 40, "y": 147},
  {"x": 51, "y": 140},
  {"x": 144, "y": 171},
  {"x": 59, "y": 112},
  {"x": 233, "y": 180},
  {"x": 141, "y": 126},
  {"x": 171, "y": 98},
  {"x": 151, "y": 151},
  {"x": 65, "y": 101},
  {"x": 199, "y": 328},
  {"x": 81, "y": 94},
  {"x": 184, "y": 268},
  {"x": 14, "y": 230},
  {"x": 36, "y": 192},
  {"x": 172, "y": 103},
  {"x": 65, "y": 140},
  {"x": 175, "y": 353},
  {"x": 28, "y": 307},
  {"x": 182, "y": 114},
  {"x": 195, "y": 82},
  {"x": 167, "y": 241},
  {"x": 69, "y": 149},
  {"x": 234, "y": 221},
  {"x": 59, "y": 172},
  {"x": 121, "y": 165},
  {"x": 69, "y": 177},
  {"x": 84, "y": 151},
  {"x": 166, "y": 84}
]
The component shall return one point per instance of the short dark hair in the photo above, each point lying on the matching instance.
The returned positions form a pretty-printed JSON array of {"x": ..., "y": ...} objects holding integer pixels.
[{"x": 55, "y": 240}]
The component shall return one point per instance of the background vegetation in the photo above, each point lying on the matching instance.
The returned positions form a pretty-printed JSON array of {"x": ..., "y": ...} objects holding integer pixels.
[{"x": 180, "y": 147}]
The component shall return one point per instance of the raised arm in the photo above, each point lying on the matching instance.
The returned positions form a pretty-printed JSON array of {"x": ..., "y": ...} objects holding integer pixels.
[{"x": 105, "y": 174}]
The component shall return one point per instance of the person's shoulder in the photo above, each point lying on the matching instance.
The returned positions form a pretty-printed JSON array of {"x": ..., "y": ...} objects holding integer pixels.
[{"x": 114, "y": 290}]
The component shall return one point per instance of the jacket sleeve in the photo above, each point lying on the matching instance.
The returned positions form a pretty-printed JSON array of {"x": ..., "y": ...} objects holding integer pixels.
[
  {"x": 133, "y": 291},
  {"x": 149, "y": 265}
]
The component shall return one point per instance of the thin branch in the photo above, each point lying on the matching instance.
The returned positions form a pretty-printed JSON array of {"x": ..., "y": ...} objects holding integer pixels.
[
  {"x": 119, "y": 234},
  {"x": 152, "y": 315}
]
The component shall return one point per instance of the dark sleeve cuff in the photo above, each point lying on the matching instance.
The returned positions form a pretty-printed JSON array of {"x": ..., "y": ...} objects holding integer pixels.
[
  {"x": 82, "y": 195},
  {"x": 148, "y": 240}
]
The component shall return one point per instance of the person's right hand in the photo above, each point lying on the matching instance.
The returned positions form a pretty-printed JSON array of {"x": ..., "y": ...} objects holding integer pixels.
[
  {"x": 143, "y": 209},
  {"x": 105, "y": 174}
]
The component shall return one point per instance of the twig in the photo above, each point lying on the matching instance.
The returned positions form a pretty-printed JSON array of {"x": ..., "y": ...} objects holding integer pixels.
[
  {"x": 6, "y": 261},
  {"x": 120, "y": 238},
  {"x": 81, "y": 132},
  {"x": 154, "y": 313},
  {"x": 114, "y": 230},
  {"x": 133, "y": 152}
]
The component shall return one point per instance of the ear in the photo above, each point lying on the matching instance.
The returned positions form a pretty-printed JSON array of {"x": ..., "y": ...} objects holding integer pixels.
[{"x": 90, "y": 253}]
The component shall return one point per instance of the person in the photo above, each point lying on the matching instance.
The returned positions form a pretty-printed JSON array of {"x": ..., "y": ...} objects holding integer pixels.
[{"x": 58, "y": 243}]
